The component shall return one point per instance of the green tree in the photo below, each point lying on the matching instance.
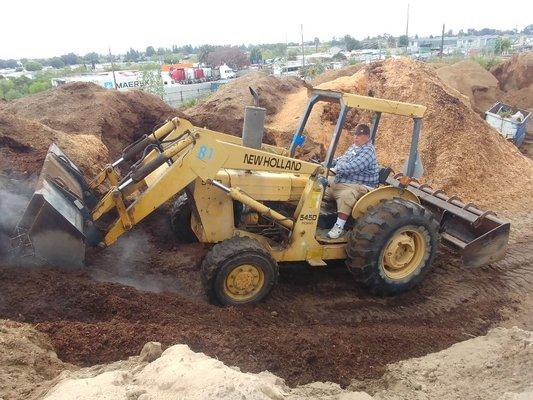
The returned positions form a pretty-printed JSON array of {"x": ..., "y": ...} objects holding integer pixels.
[
  {"x": 5, "y": 86},
  {"x": 132, "y": 55},
  {"x": 268, "y": 54},
  {"x": 153, "y": 82},
  {"x": 403, "y": 41},
  {"x": 203, "y": 52},
  {"x": 291, "y": 54},
  {"x": 39, "y": 86},
  {"x": 91, "y": 58},
  {"x": 502, "y": 45},
  {"x": 255, "y": 55},
  {"x": 12, "y": 94},
  {"x": 33, "y": 66},
  {"x": 70, "y": 59},
  {"x": 317, "y": 42},
  {"x": 56, "y": 63},
  {"x": 150, "y": 51},
  {"x": 171, "y": 58},
  {"x": 11, "y": 64},
  {"x": 351, "y": 43}
]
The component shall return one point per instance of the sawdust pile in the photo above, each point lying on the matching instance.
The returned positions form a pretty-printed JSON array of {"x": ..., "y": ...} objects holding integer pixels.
[
  {"x": 460, "y": 152},
  {"x": 471, "y": 79},
  {"x": 515, "y": 73},
  {"x": 332, "y": 74},
  {"x": 224, "y": 110},
  {"x": 495, "y": 366},
  {"x": 521, "y": 98},
  {"x": 24, "y": 144},
  {"x": 28, "y": 361},
  {"x": 72, "y": 113}
]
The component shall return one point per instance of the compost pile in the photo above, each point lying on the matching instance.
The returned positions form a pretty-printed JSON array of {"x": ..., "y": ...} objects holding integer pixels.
[
  {"x": 90, "y": 123},
  {"x": 24, "y": 144},
  {"x": 515, "y": 77},
  {"x": 472, "y": 80},
  {"x": 461, "y": 153},
  {"x": 332, "y": 74},
  {"x": 515, "y": 73}
]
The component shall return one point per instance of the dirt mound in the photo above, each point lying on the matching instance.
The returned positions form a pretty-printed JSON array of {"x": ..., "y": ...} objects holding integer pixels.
[
  {"x": 116, "y": 118},
  {"x": 28, "y": 360},
  {"x": 224, "y": 110},
  {"x": 521, "y": 98},
  {"x": 182, "y": 373},
  {"x": 473, "y": 81},
  {"x": 496, "y": 366},
  {"x": 515, "y": 73},
  {"x": 24, "y": 144},
  {"x": 332, "y": 74},
  {"x": 460, "y": 152}
]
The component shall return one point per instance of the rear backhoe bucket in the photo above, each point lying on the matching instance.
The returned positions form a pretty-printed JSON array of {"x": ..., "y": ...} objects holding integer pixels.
[
  {"x": 478, "y": 236},
  {"x": 54, "y": 225}
]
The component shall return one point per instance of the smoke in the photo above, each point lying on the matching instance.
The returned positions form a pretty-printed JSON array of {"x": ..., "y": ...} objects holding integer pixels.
[
  {"x": 12, "y": 206},
  {"x": 14, "y": 197},
  {"x": 128, "y": 262}
]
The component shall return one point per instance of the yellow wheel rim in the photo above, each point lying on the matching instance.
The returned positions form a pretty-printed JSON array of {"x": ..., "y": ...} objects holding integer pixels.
[
  {"x": 403, "y": 253},
  {"x": 244, "y": 282}
]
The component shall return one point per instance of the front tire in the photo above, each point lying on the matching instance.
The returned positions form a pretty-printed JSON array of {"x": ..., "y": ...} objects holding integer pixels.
[
  {"x": 238, "y": 271},
  {"x": 180, "y": 219},
  {"x": 391, "y": 248}
]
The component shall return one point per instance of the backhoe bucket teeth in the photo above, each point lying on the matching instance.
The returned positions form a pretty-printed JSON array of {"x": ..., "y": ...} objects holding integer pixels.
[
  {"x": 478, "y": 236},
  {"x": 53, "y": 226}
]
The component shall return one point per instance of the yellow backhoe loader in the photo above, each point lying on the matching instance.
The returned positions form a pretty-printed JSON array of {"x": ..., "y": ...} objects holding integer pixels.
[{"x": 259, "y": 206}]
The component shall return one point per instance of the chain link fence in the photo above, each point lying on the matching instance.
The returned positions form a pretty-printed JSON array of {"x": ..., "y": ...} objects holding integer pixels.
[{"x": 176, "y": 95}]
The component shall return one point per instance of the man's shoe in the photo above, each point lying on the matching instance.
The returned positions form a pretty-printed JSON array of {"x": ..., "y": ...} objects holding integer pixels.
[{"x": 335, "y": 232}]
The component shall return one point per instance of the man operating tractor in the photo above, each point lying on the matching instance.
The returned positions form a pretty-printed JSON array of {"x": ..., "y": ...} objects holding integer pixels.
[{"x": 355, "y": 171}]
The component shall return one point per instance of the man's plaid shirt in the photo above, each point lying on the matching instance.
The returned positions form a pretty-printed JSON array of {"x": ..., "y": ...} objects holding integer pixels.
[{"x": 357, "y": 165}]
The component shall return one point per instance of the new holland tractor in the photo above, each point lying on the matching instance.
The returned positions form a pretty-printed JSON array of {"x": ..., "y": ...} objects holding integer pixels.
[{"x": 259, "y": 206}]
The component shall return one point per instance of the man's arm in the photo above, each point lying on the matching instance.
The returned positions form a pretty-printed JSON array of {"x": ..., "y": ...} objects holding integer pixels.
[{"x": 354, "y": 164}]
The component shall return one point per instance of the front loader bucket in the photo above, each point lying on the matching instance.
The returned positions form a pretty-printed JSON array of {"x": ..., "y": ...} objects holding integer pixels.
[
  {"x": 478, "y": 236},
  {"x": 53, "y": 226}
]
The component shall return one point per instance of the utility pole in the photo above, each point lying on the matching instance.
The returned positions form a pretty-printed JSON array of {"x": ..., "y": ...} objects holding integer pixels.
[
  {"x": 442, "y": 43},
  {"x": 303, "y": 52},
  {"x": 407, "y": 29},
  {"x": 113, "y": 69}
]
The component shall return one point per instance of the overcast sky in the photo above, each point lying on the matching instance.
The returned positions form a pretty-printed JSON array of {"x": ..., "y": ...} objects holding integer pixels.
[{"x": 48, "y": 28}]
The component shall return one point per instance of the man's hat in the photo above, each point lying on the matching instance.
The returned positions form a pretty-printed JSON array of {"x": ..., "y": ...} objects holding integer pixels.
[{"x": 361, "y": 129}]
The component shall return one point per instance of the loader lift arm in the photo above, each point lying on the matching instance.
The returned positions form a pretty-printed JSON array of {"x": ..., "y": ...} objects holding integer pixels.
[{"x": 200, "y": 154}]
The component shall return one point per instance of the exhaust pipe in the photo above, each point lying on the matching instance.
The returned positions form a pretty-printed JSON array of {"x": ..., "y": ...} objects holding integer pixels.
[{"x": 254, "y": 123}]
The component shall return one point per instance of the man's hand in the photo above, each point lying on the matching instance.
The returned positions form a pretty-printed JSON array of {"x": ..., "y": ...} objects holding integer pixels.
[{"x": 323, "y": 181}]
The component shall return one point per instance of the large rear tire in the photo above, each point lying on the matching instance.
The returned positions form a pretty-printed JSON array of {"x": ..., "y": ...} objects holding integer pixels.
[
  {"x": 238, "y": 271},
  {"x": 180, "y": 220},
  {"x": 391, "y": 248}
]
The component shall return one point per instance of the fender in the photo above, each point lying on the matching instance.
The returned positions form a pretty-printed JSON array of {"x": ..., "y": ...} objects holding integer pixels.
[{"x": 377, "y": 195}]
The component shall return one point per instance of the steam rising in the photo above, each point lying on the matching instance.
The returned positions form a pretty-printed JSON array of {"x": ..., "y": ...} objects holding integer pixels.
[{"x": 127, "y": 261}]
